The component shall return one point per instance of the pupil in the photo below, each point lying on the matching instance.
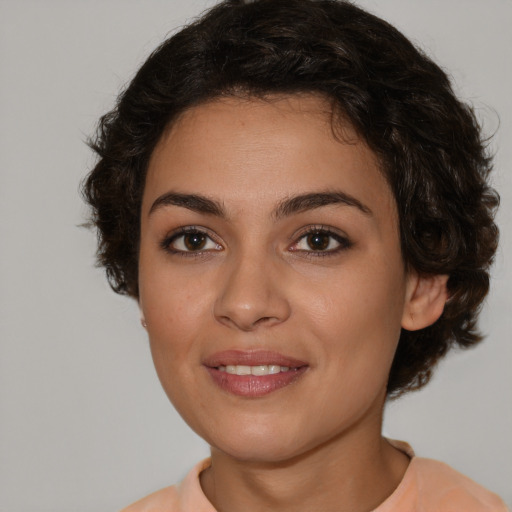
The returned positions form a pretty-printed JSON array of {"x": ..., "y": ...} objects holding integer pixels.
[
  {"x": 195, "y": 241},
  {"x": 318, "y": 241}
]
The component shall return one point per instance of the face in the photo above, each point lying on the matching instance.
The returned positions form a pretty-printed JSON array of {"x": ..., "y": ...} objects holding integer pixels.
[{"x": 271, "y": 278}]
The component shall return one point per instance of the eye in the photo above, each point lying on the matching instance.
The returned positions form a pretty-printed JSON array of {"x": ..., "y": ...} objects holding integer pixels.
[
  {"x": 190, "y": 240},
  {"x": 321, "y": 241}
]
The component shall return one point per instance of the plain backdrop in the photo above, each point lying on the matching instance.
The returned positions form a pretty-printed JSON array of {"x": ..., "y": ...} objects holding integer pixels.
[{"x": 84, "y": 424}]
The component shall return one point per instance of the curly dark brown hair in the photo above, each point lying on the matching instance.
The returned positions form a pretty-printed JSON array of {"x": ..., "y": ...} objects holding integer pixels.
[{"x": 401, "y": 103}]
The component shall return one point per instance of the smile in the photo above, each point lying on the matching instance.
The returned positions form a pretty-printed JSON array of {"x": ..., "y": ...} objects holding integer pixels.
[
  {"x": 263, "y": 369},
  {"x": 253, "y": 373}
]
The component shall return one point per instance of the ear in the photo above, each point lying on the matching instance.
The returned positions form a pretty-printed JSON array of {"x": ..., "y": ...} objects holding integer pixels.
[
  {"x": 142, "y": 318},
  {"x": 425, "y": 300}
]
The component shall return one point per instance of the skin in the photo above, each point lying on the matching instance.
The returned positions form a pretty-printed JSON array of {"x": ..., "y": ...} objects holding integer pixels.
[{"x": 257, "y": 283}]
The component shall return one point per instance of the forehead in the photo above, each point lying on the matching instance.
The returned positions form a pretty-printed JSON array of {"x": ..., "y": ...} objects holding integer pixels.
[{"x": 259, "y": 151}]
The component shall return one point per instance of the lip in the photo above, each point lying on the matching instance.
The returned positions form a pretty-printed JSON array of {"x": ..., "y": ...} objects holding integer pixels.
[
  {"x": 252, "y": 386},
  {"x": 251, "y": 358}
]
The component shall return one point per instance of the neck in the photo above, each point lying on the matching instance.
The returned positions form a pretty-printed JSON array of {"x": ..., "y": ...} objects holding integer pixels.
[{"x": 355, "y": 471}]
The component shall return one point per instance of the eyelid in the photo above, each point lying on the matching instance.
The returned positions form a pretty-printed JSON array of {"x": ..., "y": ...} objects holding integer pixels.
[
  {"x": 340, "y": 237},
  {"x": 175, "y": 234}
]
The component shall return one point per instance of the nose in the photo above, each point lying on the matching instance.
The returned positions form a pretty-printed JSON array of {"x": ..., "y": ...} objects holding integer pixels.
[{"x": 252, "y": 295}]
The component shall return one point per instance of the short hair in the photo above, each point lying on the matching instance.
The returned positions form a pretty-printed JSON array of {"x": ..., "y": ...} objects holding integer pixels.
[{"x": 429, "y": 143}]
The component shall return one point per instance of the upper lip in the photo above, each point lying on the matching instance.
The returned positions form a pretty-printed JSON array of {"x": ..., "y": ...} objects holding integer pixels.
[{"x": 251, "y": 358}]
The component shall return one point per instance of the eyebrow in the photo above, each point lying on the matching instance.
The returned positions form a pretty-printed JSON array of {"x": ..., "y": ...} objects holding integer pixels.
[
  {"x": 285, "y": 208},
  {"x": 194, "y": 202},
  {"x": 315, "y": 200}
]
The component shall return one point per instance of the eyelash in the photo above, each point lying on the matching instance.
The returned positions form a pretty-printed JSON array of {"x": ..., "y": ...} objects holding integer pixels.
[
  {"x": 343, "y": 241},
  {"x": 167, "y": 242}
]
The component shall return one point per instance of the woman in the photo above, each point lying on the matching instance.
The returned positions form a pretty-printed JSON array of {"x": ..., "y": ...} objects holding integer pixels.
[{"x": 299, "y": 204}]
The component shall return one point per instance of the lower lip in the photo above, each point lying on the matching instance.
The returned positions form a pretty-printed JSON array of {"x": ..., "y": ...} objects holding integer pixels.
[{"x": 254, "y": 386}]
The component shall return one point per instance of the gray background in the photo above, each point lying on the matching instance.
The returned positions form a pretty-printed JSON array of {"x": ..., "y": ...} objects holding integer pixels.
[{"x": 84, "y": 423}]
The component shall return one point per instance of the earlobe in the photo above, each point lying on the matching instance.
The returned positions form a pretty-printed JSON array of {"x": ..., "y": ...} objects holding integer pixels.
[
  {"x": 142, "y": 318},
  {"x": 425, "y": 301}
]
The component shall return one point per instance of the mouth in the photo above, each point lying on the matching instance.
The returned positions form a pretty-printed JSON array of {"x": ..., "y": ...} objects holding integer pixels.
[
  {"x": 262, "y": 369},
  {"x": 253, "y": 374}
]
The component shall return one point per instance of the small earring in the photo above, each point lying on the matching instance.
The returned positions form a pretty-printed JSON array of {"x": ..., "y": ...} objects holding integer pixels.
[{"x": 143, "y": 322}]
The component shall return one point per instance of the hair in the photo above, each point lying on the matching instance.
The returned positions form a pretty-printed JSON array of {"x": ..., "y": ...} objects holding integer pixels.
[{"x": 401, "y": 104}]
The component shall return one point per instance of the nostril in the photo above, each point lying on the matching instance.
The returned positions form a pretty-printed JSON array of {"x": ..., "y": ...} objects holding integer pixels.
[
  {"x": 246, "y": 324},
  {"x": 264, "y": 320}
]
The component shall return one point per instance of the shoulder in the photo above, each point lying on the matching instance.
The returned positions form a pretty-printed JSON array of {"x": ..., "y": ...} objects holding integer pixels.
[
  {"x": 442, "y": 488},
  {"x": 187, "y": 496},
  {"x": 164, "y": 500}
]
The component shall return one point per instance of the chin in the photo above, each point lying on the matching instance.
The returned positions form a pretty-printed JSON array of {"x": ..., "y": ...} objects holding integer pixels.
[
  {"x": 260, "y": 443},
  {"x": 258, "y": 452},
  {"x": 256, "y": 443}
]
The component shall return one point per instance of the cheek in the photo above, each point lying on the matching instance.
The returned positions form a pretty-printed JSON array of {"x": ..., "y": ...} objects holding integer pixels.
[
  {"x": 358, "y": 300},
  {"x": 174, "y": 308},
  {"x": 358, "y": 326},
  {"x": 357, "y": 318}
]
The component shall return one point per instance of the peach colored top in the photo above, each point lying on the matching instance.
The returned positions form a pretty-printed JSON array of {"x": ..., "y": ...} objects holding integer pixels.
[{"x": 427, "y": 486}]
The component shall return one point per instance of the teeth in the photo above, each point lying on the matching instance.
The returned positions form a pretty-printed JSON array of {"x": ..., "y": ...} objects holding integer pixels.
[
  {"x": 264, "y": 369},
  {"x": 242, "y": 370},
  {"x": 260, "y": 370}
]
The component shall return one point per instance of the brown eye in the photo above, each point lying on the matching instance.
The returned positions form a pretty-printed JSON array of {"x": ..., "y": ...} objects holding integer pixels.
[
  {"x": 194, "y": 241},
  {"x": 318, "y": 241},
  {"x": 190, "y": 241},
  {"x": 321, "y": 242}
]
